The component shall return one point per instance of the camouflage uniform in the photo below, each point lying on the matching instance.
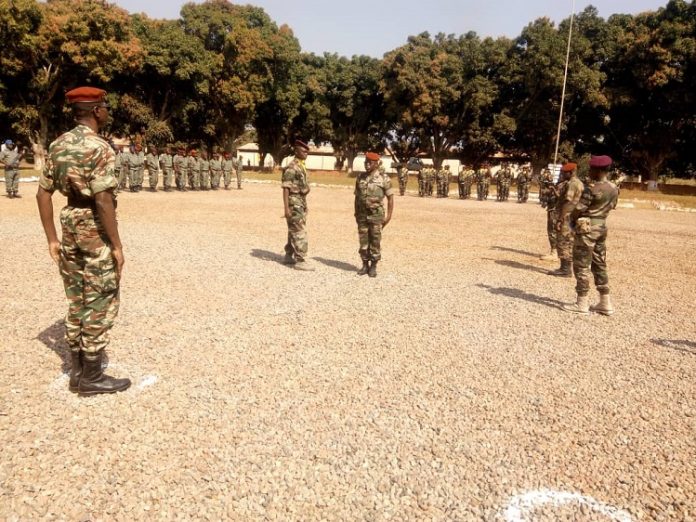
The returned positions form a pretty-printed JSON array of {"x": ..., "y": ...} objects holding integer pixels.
[
  {"x": 421, "y": 182},
  {"x": 295, "y": 180},
  {"x": 464, "y": 181},
  {"x": 180, "y": 165},
  {"x": 11, "y": 159},
  {"x": 402, "y": 173},
  {"x": 440, "y": 182},
  {"x": 589, "y": 247},
  {"x": 204, "y": 166},
  {"x": 370, "y": 190},
  {"x": 125, "y": 169},
  {"x": 545, "y": 186},
  {"x": 430, "y": 180},
  {"x": 215, "y": 171},
  {"x": 166, "y": 162},
  {"x": 569, "y": 193},
  {"x": 523, "y": 179},
  {"x": 194, "y": 172},
  {"x": 551, "y": 216},
  {"x": 80, "y": 165},
  {"x": 117, "y": 166},
  {"x": 483, "y": 177},
  {"x": 238, "y": 172},
  {"x": 504, "y": 180},
  {"x": 136, "y": 167},
  {"x": 447, "y": 181},
  {"x": 152, "y": 162},
  {"x": 228, "y": 167}
]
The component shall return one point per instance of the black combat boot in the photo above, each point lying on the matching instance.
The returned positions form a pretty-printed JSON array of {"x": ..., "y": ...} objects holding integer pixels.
[
  {"x": 93, "y": 380},
  {"x": 564, "y": 270},
  {"x": 75, "y": 370},
  {"x": 373, "y": 269},
  {"x": 365, "y": 268}
]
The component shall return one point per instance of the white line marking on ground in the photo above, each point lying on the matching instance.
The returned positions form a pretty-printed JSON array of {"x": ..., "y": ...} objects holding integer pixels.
[{"x": 520, "y": 505}]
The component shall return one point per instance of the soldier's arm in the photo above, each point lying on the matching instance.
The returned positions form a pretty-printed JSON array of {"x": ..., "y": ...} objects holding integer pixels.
[
  {"x": 44, "y": 200},
  {"x": 286, "y": 203},
  {"x": 390, "y": 209}
]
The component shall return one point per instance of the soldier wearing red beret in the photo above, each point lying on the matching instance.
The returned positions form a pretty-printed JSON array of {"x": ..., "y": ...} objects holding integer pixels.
[
  {"x": 371, "y": 187},
  {"x": 569, "y": 191},
  {"x": 295, "y": 189},
  {"x": 589, "y": 220},
  {"x": 90, "y": 255}
]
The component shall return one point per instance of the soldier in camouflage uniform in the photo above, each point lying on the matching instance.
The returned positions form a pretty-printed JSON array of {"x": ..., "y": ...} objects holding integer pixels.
[
  {"x": 431, "y": 180},
  {"x": 228, "y": 166},
  {"x": 117, "y": 163},
  {"x": 551, "y": 195},
  {"x": 295, "y": 189},
  {"x": 569, "y": 191},
  {"x": 421, "y": 182},
  {"x": 483, "y": 177},
  {"x": 166, "y": 163},
  {"x": 504, "y": 179},
  {"x": 523, "y": 179},
  {"x": 545, "y": 187},
  {"x": 402, "y": 173},
  {"x": 589, "y": 220},
  {"x": 10, "y": 159},
  {"x": 136, "y": 166},
  {"x": 80, "y": 166},
  {"x": 371, "y": 187},
  {"x": 464, "y": 181},
  {"x": 215, "y": 170},
  {"x": 152, "y": 163},
  {"x": 204, "y": 165},
  {"x": 194, "y": 170},
  {"x": 238, "y": 172},
  {"x": 180, "y": 165},
  {"x": 440, "y": 182}
]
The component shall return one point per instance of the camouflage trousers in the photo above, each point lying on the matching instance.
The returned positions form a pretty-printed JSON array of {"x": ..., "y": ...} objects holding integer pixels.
[
  {"x": 89, "y": 277},
  {"x": 227, "y": 175},
  {"x": 135, "y": 177},
  {"x": 121, "y": 176},
  {"x": 239, "y": 178},
  {"x": 153, "y": 178},
  {"x": 421, "y": 187},
  {"x": 12, "y": 180},
  {"x": 297, "y": 244},
  {"x": 482, "y": 191},
  {"x": 551, "y": 219},
  {"x": 194, "y": 179},
  {"x": 370, "y": 237},
  {"x": 523, "y": 193},
  {"x": 564, "y": 242},
  {"x": 403, "y": 181},
  {"x": 464, "y": 190},
  {"x": 215, "y": 176},
  {"x": 180, "y": 179},
  {"x": 205, "y": 179},
  {"x": 590, "y": 255},
  {"x": 168, "y": 178}
]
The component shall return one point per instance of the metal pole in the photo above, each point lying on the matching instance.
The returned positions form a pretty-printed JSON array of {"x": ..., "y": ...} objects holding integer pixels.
[{"x": 565, "y": 81}]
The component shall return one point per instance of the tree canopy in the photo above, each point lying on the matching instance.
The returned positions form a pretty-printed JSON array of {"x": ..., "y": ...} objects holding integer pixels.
[{"x": 222, "y": 70}]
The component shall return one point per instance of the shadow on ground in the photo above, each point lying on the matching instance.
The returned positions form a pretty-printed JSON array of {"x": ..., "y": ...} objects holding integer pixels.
[
  {"x": 340, "y": 265},
  {"x": 266, "y": 255},
  {"x": 516, "y": 251},
  {"x": 53, "y": 338},
  {"x": 524, "y": 296},
  {"x": 515, "y": 264},
  {"x": 680, "y": 345}
]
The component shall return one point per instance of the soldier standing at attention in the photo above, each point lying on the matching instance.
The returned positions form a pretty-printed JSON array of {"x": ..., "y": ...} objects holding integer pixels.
[
  {"x": 166, "y": 163},
  {"x": 551, "y": 192},
  {"x": 238, "y": 172},
  {"x": 90, "y": 256},
  {"x": 228, "y": 165},
  {"x": 523, "y": 179},
  {"x": 152, "y": 162},
  {"x": 371, "y": 187},
  {"x": 483, "y": 176},
  {"x": 402, "y": 173},
  {"x": 589, "y": 219},
  {"x": 10, "y": 158},
  {"x": 545, "y": 187},
  {"x": 295, "y": 189},
  {"x": 569, "y": 192},
  {"x": 448, "y": 180},
  {"x": 194, "y": 170},
  {"x": 421, "y": 181},
  {"x": 204, "y": 166},
  {"x": 179, "y": 162},
  {"x": 440, "y": 182},
  {"x": 117, "y": 163},
  {"x": 136, "y": 164},
  {"x": 215, "y": 170}
]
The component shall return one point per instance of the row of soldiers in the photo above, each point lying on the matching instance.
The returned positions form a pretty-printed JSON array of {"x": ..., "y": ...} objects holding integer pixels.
[
  {"x": 430, "y": 179},
  {"x": 181, "y": 170}
]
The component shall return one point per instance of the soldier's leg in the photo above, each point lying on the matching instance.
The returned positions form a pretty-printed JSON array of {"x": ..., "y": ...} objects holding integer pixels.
[
  {"x": 297, "y": 234},
  {"x": 551, "y": 229},
  {"x": 15, "y": 181},
  {"x": 363, "y": 237},
  {"x": 8, "y": 182},
  {"x": 583, "y": 248},
  {"x": 239, "y": 178},
  {"x": 599, "y": 260},
  {"x": 131, "y": 179},
  {"x": 153, "y": 179},
  {"x": 71, "y": 267},
  {"x": 375, "y": 240},
  {"x": 228, "y": 178}
]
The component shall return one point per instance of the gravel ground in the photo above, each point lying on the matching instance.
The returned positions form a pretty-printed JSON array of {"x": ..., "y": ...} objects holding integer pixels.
[{"x": 451, "y": 387}]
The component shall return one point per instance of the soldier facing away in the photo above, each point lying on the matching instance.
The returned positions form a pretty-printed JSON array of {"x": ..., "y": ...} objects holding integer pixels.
[
  {"x": 371, "y": 187},
  {"x": 90, "y": 255},
  {"x": 295, "y": 189}
]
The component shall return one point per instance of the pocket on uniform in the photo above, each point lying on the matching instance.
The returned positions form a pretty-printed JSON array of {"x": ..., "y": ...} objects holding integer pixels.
[{"x": 100, "y": 275}]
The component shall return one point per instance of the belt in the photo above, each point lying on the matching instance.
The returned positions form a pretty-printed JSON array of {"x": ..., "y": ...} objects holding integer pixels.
[
  {"x": 598, "y": 220},
  {"x": 85, "y": 203}
]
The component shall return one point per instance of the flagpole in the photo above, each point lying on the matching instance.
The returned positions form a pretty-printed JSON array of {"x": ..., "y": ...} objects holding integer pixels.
[{"x": 565, "y": 82}]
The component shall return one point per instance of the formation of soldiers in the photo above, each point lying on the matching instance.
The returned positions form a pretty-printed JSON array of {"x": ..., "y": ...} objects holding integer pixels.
[{"x": 181, "y": 170}]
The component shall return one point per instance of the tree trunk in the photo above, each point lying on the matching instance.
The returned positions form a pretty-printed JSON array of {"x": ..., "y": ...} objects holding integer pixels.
[{"x": 350, "y": 159}]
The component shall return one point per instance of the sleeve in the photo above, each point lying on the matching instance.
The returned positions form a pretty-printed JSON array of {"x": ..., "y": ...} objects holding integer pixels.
[
  {"x": 47, "y": 179},
  {"x": 288, "y": 180},
  {"x": 574, "y": 193},
  {"x": 387, "y": 185},
  {"x": 3, "y": 156},
  {"x": 102, "y": 177}
]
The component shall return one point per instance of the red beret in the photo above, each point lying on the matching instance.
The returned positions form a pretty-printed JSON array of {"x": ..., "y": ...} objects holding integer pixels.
[
  {"x": 85, "y": 95},
  {"x": 193, "y": 151},
  {"x": 302, "y": 144},
  {"x": 600, "y": 162},
  {"x": 569, "y": 167},
  {"x": 372, "y": 156}
]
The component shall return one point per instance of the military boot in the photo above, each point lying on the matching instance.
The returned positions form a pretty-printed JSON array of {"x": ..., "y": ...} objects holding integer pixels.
[
  {"x": 304, "y": 266},
  {"x": 75, "y": 370},
  {"x": 564, "y": 270},
  {"x": 372, "y": 272},
  {"x": 365, "y": 268},
  {"x": 289, "y": 259},
  {"x": 604, "y": 306},
  {"x": 581, "y": 306},
  {"x": 94, "y": 381}
]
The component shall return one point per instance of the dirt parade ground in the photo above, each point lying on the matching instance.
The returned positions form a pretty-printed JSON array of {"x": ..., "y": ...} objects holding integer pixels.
[{"x": 450, "y": 387}]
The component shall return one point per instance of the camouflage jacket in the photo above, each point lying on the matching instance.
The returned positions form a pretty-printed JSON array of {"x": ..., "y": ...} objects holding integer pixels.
[
  {"x": 79, "y": 163},
  {"x": 295, "y": 178},
  {"x": 370, "y": 190},
  {"x": 152, "y": 161},
  {"x": 166, "y": 161}
]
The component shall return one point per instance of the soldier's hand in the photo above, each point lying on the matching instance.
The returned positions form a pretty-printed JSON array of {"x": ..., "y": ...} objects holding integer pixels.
[
  {"x": 117, "y": 254},
  {"x": 54, "y": 251},
  {"x": 287, "y": 214},
  {"x": 386, "y": 222}
]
